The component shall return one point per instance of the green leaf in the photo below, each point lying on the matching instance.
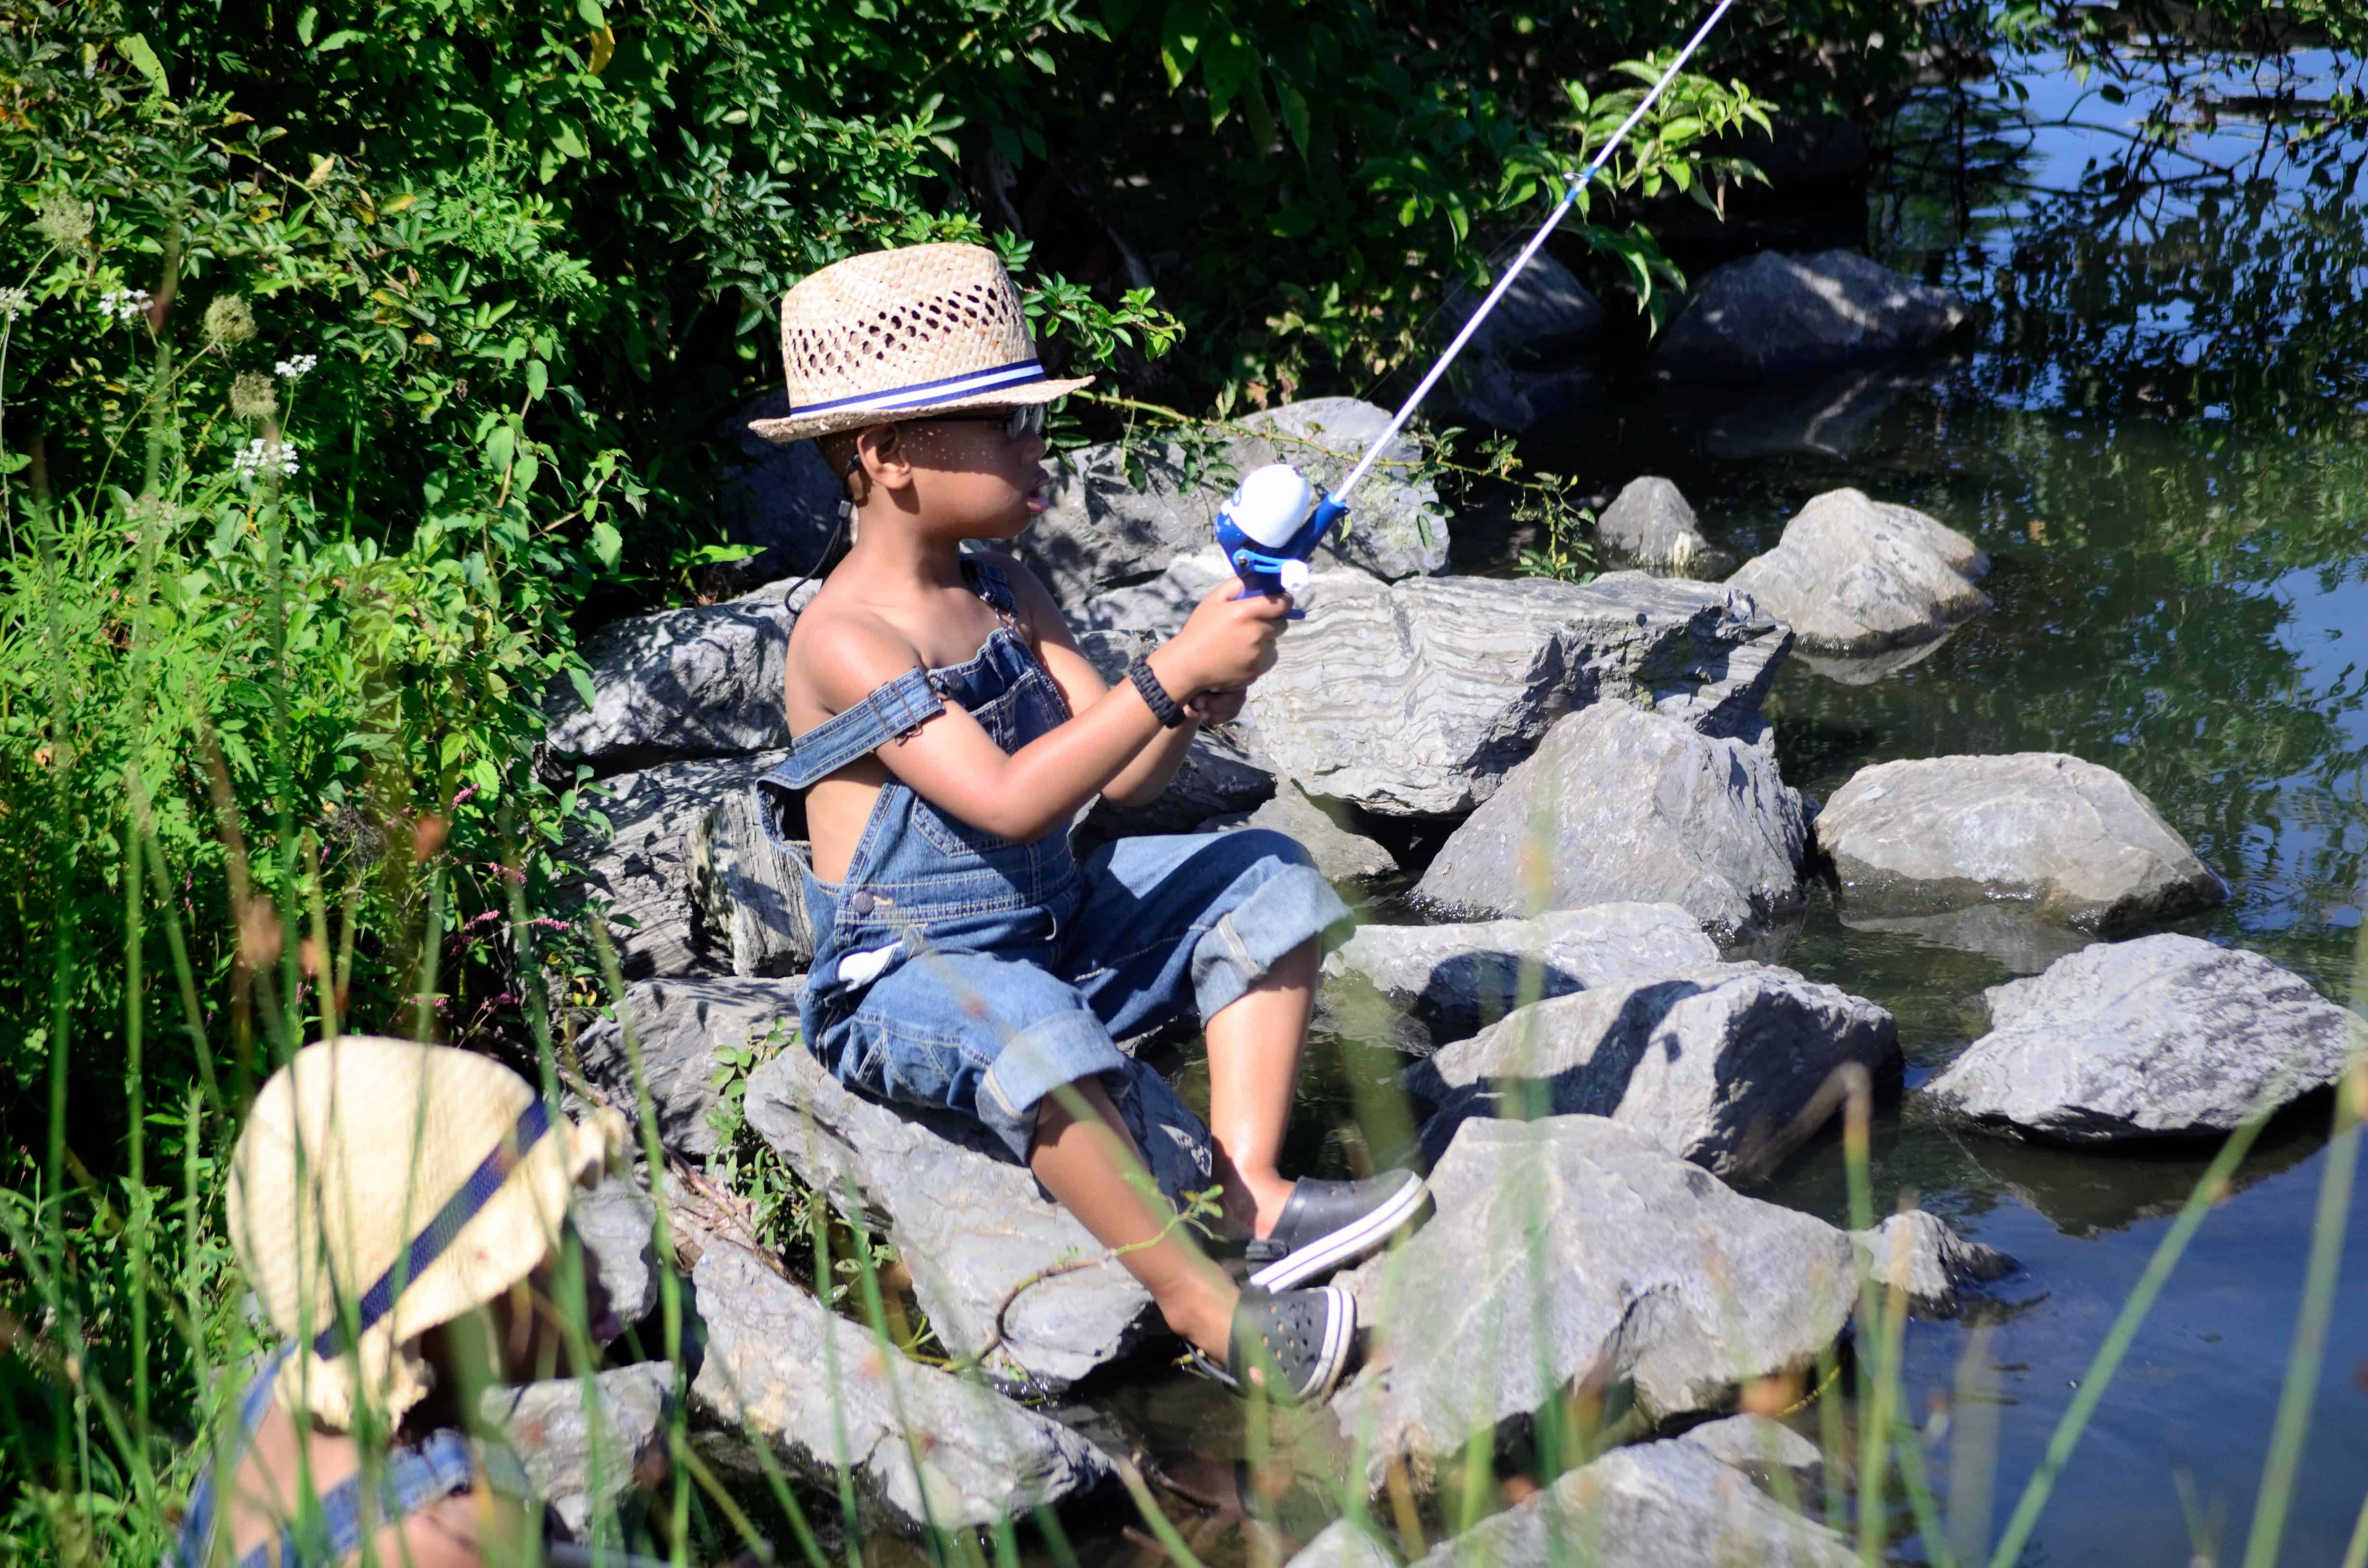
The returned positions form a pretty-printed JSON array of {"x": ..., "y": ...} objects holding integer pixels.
[
  {"x": 606, "y": 543},
  {"x": 581, "y": 680},
  {"x": 567, "y": 139},
  {"x": 499, "y": 448},
  {"x": 538, "y": 379},
  {"x": 590, "y": 11},
  {"x": 311, "y": 13},
  {"x": 142, "y": 59},
  {"x": 342, "y": 37}
]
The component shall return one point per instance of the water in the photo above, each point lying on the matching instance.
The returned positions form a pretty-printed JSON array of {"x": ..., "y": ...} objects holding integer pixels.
[{"x": 2157, "y": 432}]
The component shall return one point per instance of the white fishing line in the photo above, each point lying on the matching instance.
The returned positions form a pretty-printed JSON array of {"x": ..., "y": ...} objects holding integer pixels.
[{"x": 1577, "y": 183}]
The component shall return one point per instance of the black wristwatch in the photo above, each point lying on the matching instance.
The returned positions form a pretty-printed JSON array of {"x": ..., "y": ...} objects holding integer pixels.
[{"x": 1155, "y": 696}]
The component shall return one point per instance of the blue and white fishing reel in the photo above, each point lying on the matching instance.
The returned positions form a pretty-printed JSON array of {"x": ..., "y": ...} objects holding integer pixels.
[{"x": 1270, "y": 525}]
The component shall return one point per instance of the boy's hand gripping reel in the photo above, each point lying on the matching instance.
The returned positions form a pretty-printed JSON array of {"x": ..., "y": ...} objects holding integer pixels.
[{"x": 1270, "y": 524}]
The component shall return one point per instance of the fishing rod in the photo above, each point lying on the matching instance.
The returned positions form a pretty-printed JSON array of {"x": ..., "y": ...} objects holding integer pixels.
[{"x": 1272, "y": 523}]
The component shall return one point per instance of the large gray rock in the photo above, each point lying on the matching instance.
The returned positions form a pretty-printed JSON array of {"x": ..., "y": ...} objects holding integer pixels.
[
  {"x": 1770, "y": 316},
  {"x": 923, "y": 1446},
  {"x": 2068, "y": 841},
  {"x": 1855, "y": 575},
  {"x": 972, "y": 1224},
  {"x": 679, "y": 1024},
  {"x": 1157, "y": 608},
  {"x": 1619, "y": 803},
  {"x": 642, "y": 870},
  {"x": 1650, "y": 523},
  {"x": 2164, "y": 1037},
  {"x": 682, "y": 682},
  {"x": 1397, "y": 527},
  {"x": 1219, "y": 776},
  {"x": 618, "y": 1222},
  {"x": 1918, "y": 1254},
  {"x": 1572, "y": 1252},
  {"x": 781, "y": 499},
  {"x": 1721, "y": 1065},
  {"x": 1439, "y": 983},
  {"x": 1686, "y": 1501},
  {"x": 582, "y": 1462},
  {"x": 1341, "y": 853},
  {"x": 747, "y": 890},
  {"x": 1674, "y": 1504},
  {"x": 1103, "y": 530},
  {"x": 1547, "y": 314},
  {"x": 1415, "y": 698}
]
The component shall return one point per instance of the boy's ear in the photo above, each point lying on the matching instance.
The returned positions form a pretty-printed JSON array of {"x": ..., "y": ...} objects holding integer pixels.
[{"x": 881, "y": 451}]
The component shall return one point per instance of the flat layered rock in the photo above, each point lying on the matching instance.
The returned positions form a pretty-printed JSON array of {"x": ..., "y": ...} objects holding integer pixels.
[
  {"x": 680, "y": 1023},
  {"x": 1651, "y": 523},
  {"x": 1416, "y": 699},
  {"x": 923, "y": 1446},
  {"x": 1572, "y": 1251},
  {"x": 1918, "y": 1254},
  {"x": 1770, "y": 316},
  {"x": 682, "y": 682},
  {"x": 583, "y": 1461},
  {"x": 2069, "y": 841},
  {"x": 643, "y": 871},
  {"x": 618, "y": 1223},
  {"x": 971, "y": 1223},
  {"x": 2164, "y": 1037},
  {"x": 1856, "y": 575},
  {"x": 1118, "y": 517},
  {"x": 1440, "y": 983},
  {"x": 1721, "y": 1065},
  {"x": 1620, "y": 803}
]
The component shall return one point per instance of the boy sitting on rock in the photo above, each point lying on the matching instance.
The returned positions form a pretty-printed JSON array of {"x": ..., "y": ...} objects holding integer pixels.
[{"x": 947, "y": 731}]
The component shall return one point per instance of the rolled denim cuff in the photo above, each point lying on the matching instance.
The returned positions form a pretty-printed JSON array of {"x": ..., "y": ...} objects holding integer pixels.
[
  {"x": 1283, "y": 911},
  {"x": 1035, "y": 1062}
]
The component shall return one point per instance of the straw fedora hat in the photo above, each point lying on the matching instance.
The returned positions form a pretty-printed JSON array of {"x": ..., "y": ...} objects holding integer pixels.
[
  {"x": 904, "y": 334},
  {"x": 381, "y": 1188}
]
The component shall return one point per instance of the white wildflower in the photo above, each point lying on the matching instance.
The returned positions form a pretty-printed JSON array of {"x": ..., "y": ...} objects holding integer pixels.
[
  {"x": 122, "y": 305},
  {"x": 15, "y": 303},
  {"x": 301, "y": 365},
  {"x": 262, "y": 457}
]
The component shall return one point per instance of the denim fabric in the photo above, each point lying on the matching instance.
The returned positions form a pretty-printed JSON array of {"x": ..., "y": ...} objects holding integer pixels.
[{"x": 957, "y": 970}]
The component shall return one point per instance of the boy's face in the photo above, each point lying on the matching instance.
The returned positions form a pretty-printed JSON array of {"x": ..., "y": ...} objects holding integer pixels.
[{"x": 971, "y": 477}]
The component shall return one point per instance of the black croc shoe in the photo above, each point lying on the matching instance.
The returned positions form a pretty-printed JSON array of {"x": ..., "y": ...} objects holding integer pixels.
[
  {"x": 1331, "y": 1224},
  {"x": 1299, "y": 1339}
]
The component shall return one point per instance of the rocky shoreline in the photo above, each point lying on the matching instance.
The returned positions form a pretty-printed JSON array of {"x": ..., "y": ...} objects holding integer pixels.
[{"x": 1602, "y": 1048}]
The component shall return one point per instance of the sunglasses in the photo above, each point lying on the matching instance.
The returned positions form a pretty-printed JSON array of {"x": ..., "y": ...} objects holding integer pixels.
[{"x": 1018, "y": 422}]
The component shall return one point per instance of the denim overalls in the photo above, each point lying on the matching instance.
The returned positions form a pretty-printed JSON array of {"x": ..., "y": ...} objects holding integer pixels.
[{"x": 957, "y": 970}]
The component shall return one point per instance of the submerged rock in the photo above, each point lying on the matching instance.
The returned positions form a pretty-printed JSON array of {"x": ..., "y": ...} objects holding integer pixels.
[
  {"x": 1770, "y": 316},
  {"x": 2164, "y": 1037},
  {"x": 582, "y": 1466},
  {"x": 1620, "y": 803},
  {"x": 1649, "y": 523},
  {"x": 1440, "y": 983},
  {"x": 1571, "y": 1253},
  {"x": 682, "y": 682},
  {"x": 926, "y": 1448},
  {"x": 1415, "y": 698},
  {"x": 1721, "y": 1065},
  {"x": 1341, "y": 853},
  {"x": 972, "y": 1224},
  {"x": 1918, "y": 1255},
  {"x": 643, "y": 871},
  {"x": 2069, "y": 841},
  {"x": 1855, "y": 575},
  {"x": 679, "y": 1024}
]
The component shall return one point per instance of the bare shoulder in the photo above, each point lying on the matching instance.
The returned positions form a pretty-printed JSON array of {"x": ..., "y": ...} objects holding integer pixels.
[
  {"x": 1038, "y": 609},
  {"x": 840, "y": 651}
]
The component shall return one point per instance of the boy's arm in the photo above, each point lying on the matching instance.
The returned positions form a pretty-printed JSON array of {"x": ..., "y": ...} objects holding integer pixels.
[
  {"x": 1141, "y": 780},
  {"x": 953, "y": 763}
]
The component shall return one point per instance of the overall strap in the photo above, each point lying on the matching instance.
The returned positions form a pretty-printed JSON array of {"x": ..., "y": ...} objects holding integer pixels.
[
  {"x": 194, "y": 1544},
  {"x": 887, "y": 712},
  {"x": 989, "y": 583}
]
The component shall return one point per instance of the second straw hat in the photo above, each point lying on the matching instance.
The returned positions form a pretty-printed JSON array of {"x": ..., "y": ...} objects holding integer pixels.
[{"x": 903, "y": 335}]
